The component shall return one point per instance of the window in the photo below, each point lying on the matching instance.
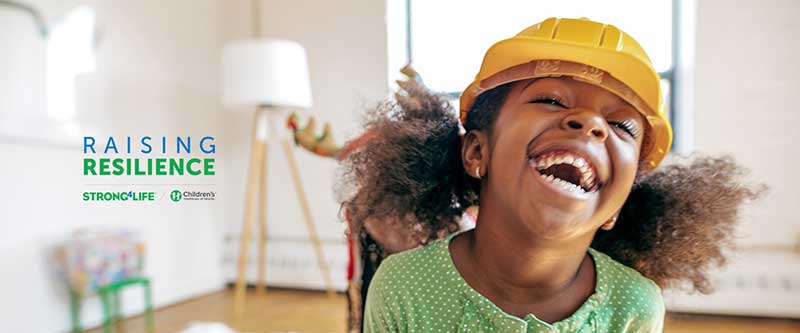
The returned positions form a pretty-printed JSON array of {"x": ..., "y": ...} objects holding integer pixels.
[
  {"x": 70, "y": 52},
  {"x": 446, "y": 39},
  {"x": 44, "y": 59}
]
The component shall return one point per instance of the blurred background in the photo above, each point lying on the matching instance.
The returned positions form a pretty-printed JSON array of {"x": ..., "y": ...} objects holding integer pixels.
[{"x": 70, "y": 68}]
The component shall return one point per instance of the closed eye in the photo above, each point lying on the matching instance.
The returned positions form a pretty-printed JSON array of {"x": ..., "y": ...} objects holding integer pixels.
[
  {"x": 548, "y": 100},
  {"x": 629, "y": 126}
]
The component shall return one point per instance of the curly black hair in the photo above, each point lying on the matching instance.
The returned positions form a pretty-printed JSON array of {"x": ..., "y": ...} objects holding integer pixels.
[{"x": 673, "y": 228}]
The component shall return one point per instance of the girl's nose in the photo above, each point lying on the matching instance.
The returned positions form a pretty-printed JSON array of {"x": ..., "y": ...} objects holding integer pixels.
[{"x": 588, "y": 123}]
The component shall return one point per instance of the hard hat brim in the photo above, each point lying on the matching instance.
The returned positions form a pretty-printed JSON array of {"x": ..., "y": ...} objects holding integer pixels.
[{"x": 630, "y": 70}]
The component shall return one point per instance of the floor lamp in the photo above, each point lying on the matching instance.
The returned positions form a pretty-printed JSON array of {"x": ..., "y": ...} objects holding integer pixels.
[{"x": 272, "y": 75}]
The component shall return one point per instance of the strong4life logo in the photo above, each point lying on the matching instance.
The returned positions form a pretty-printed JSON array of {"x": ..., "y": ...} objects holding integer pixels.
[
  {"x": 175, "y": 195},
  {"x": 119, "y": 196}
]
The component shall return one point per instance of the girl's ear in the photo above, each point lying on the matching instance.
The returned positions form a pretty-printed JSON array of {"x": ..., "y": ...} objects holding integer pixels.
[
  {"x": 608, "y": 225},
  {"x": 475, "y": 153},
  {"x": 644, "y": 169}
]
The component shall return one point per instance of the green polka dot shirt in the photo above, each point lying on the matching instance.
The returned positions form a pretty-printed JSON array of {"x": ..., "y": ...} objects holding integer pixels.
[{"x": 420, "y": 290}]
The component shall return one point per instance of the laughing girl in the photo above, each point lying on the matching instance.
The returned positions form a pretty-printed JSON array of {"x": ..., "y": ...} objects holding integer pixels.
[{"x": 557, "y": 140}]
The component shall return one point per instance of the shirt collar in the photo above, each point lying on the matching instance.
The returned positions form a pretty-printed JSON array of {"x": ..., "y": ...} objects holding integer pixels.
[{"x": 500, "y": 318}]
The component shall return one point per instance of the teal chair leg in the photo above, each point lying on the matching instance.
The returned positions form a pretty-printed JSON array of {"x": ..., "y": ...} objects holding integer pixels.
[
  {"x": 75, "y": 311},
  {"x": 148, "y": 310},
  {"x": 112, "y": 304},
  {"x": 117, "y": 315},
  {"x": 108, "y": 315}
]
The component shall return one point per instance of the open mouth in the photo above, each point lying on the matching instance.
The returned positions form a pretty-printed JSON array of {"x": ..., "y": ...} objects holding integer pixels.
[{"x": 566, "y": 169}]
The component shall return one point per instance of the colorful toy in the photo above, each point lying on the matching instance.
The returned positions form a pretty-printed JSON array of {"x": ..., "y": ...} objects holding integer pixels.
[{"x": 103, "y": 262}]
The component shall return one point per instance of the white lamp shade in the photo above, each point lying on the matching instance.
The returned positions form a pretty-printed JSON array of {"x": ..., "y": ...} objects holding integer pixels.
[{"x": 265, "y": 72}]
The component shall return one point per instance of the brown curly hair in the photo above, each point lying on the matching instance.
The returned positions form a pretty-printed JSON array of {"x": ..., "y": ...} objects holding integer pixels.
[{"x": 674, "y": 227}]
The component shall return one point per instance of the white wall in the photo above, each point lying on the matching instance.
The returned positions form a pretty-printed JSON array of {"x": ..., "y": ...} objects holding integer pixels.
[
  {"x": 746, "y": 80},
  {"x": 157, "y": 73}
]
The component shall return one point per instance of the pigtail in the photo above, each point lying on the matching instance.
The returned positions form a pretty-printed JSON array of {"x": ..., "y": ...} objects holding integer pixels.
[
  {"x": 679, "y": 220},
  {"x": 410, "y": 171}
]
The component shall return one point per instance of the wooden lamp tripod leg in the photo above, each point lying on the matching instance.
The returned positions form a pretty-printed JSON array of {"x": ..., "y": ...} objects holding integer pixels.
[
  {"x": 256, "y": 160},
  {"x": 312, "y": 230},
  {"x": 261, "y": 280}
]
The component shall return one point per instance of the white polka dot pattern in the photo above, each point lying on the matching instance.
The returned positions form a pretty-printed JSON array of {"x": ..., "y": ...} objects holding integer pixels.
[{"x": 421, "y": 291}]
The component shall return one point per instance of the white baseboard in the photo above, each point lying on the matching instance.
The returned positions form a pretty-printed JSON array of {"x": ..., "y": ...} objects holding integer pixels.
[
  {"x": 755, "y": 284},
  {"x": 291, "y": 263}
]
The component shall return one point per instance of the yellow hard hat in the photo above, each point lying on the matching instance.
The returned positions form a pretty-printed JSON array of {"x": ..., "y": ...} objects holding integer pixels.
[{"x": 588, "y": 51}]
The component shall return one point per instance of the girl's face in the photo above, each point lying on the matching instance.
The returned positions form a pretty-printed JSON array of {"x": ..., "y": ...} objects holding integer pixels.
[{"x": 562, "y": 156}]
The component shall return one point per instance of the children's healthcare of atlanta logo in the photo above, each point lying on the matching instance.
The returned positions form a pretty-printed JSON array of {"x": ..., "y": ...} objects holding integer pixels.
[{"x": 175, "y": 195}]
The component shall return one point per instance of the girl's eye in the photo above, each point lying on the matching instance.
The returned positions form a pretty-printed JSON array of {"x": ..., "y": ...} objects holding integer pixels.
[
  {"x": 548, "y": 100},
  {"x": 629, "y": 126}
]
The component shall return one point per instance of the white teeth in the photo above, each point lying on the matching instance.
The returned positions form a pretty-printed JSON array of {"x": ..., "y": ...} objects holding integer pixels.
[
  {"x": 588, "y": 182},
  {"x": 563, "y": 184},
  {"x": 587, "y": 178},
  {"x": 587, "y": 173}
]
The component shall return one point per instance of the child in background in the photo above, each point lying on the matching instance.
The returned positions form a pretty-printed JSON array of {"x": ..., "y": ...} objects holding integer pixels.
[{"x": 557, "y": 141}]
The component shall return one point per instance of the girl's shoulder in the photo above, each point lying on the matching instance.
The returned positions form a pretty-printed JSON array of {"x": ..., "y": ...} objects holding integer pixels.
[
  {"x": 416, "y": 269},
  {"x": 617, "y": 273},
  {"x": 408, "y": 287},
  {"x": 429, "y": 258},
  {"x": 625, "y": 291}
]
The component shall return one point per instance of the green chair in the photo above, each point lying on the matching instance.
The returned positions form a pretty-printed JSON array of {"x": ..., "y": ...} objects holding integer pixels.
[
  {"x": 109, "y": 296},
  {"x": 103, "y": 261}
]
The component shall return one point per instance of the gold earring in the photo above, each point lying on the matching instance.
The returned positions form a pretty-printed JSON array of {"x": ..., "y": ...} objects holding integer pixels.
[
  {"x": 609, "y": 224},
  {"x": 478, "y": 172}
]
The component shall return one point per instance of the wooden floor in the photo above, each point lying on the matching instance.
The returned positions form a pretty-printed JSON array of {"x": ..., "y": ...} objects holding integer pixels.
[{"x": 304, "y": 311}]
